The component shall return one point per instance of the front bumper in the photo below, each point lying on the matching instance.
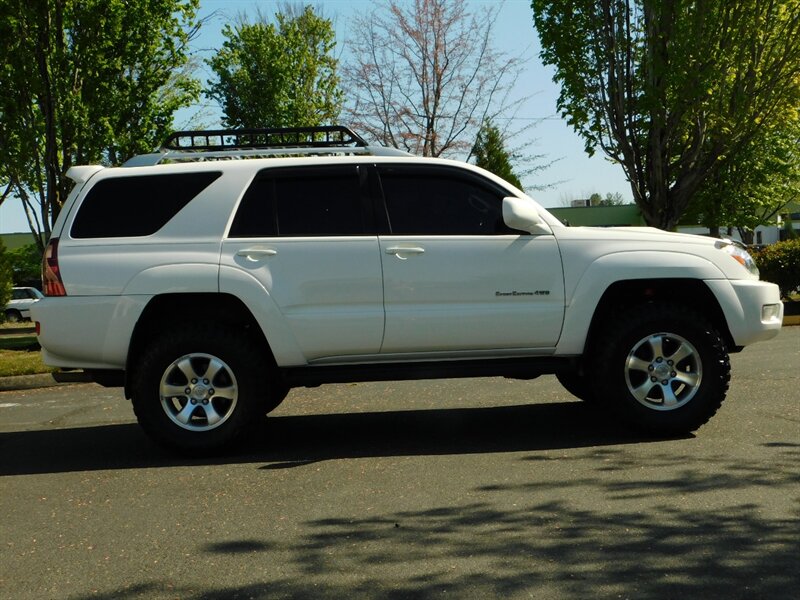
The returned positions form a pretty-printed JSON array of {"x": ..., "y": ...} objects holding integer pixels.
[{"x": 753, "y": 309}]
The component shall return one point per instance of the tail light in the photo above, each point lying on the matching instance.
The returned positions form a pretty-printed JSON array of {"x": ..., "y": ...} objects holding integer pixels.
[{"x": 51, "y": 275}]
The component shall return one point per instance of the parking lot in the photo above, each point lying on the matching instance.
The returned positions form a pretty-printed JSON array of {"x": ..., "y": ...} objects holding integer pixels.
[{"x": 485, "y": 488}]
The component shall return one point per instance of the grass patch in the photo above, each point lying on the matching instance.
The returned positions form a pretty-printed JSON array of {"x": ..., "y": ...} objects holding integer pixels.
[
  {"x": 16, "y": 362},
  {"x": 19, "y": 351}
]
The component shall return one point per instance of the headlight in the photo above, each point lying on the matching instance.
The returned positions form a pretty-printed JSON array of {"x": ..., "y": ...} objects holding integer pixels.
[{"x": 738, "y": 253}]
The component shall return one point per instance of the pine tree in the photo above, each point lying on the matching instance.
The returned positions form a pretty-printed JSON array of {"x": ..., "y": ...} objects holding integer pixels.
[{"x": 490, "y": 153}]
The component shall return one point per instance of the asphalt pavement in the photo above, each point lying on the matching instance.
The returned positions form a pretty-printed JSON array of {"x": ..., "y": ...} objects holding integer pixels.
[{"x": 485, "y": 488}]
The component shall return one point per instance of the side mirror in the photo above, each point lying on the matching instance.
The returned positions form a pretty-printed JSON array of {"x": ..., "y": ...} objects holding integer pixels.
[{"x": 521, "y": 214}]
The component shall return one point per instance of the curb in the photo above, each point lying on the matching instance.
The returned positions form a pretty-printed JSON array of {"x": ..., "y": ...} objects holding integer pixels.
[
  {"x": 27, "y": 382},
  {"x": 791, "y": 320}
]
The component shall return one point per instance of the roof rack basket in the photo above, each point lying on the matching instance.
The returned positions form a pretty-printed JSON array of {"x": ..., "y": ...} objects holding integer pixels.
[{"x": 216, "y": 140}]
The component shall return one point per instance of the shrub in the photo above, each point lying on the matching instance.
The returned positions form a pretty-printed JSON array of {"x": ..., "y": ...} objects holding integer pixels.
[{"x": 780, "y": 264}]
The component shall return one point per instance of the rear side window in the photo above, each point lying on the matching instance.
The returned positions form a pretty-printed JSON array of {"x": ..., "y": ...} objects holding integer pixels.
[
  {"x": 136, "y": 206},
  {"x": 326, "y": 201}
]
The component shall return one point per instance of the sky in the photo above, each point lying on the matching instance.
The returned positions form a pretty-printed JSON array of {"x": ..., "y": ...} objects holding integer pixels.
[{"x": 573, "y": 173}]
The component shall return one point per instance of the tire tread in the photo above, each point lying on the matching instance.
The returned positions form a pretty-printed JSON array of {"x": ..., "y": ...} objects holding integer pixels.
[
  {"x": 694, "y": 414},
  {"x": 208, "y": 337}
]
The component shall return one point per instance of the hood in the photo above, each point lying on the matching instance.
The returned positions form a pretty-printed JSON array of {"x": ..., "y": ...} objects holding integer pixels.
[{"x": 645, "y": 234}]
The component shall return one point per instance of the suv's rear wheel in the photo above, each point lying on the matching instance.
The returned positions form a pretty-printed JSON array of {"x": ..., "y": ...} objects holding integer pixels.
[
  {"x": 200, "y": 388},
  {"x": 661, "y": 367}
]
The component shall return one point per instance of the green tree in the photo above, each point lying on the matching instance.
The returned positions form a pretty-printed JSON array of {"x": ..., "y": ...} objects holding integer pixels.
[
  {"x": 85, "y": 81},
  {"x": 6, "y": 281},
  {"x": 279, "y": 74},
  {"x": 490, "y": 153},
  {"x": 25, "y": 263},
  {"x": 754, "y": 186},
  {"x": 672, "y": 90}
]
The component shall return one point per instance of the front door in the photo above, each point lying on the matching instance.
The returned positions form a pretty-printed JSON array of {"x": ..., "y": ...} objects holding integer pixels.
[{"x": 456, "y": 278}]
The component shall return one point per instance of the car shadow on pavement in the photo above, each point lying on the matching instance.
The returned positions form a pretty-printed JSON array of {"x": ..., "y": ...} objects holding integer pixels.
[{"x": 289, "y": 441}]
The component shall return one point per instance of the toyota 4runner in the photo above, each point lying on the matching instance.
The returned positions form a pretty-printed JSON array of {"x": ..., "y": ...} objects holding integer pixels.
[{"x": 213, "y": 276}]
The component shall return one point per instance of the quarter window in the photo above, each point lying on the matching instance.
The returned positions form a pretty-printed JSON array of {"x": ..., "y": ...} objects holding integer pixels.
[{"x": 136, "y": 206}]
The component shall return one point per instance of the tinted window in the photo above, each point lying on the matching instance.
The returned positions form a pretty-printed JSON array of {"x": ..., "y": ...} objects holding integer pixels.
[
  {"x": 256, "y": 214},
  {"x": 313, "y": 202},
  {"x": 136, "y": 206},
  {"x": 441, "y": 202}
]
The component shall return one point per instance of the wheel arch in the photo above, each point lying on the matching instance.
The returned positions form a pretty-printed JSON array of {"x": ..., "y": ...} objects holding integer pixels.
[
  {"x": 641, "y": 383},
  {"x": 693, "y": 293},
  {"x": 165, "y": 310}
]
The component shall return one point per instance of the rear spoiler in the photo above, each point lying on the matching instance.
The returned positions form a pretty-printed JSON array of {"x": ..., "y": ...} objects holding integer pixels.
[{"x": 83, "y": 173}]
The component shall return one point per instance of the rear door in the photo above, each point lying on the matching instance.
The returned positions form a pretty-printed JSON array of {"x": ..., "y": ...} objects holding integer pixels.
[
  {"x": 456, "y": 278},
  {"x": 307, "y": 236}
]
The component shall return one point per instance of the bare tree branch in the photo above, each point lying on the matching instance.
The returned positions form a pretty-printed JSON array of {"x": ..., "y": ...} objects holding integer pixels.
[{"x": 421, "y": 82}]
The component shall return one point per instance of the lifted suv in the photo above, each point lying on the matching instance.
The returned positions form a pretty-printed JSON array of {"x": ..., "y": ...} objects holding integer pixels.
[{"x": 210, "y": 285}]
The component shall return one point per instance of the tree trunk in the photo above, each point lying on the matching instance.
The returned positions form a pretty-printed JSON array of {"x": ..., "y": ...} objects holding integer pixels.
[{"x": 746, "y": 235}]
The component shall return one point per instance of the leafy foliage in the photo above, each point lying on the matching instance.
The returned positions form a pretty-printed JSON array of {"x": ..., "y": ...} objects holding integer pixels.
[
  {"x": 25, "y": 264},
  {"x": 277, "y": 75},
  {"x": 490, "y": 153},
  {"x": 86, "y": 81},
  {"x": 5, "y": 278},
  {"x": 780, "y": 264},
  {"x": 753, "y": 187},
  {"x": 672, "y": 90}
]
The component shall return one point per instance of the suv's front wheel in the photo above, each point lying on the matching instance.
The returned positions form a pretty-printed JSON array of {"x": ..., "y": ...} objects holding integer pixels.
[
  {"x": 661, "y": 367},
  {"x": 577, "y": 384},
  {"x": 200, "y": 388}
]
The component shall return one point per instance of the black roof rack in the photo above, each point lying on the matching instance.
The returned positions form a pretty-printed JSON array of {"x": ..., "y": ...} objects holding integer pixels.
[{"x": 327, "y": 136}]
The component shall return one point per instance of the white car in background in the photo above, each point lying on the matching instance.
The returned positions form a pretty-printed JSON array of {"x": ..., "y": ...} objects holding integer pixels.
[{"x": 19, "y": 307}]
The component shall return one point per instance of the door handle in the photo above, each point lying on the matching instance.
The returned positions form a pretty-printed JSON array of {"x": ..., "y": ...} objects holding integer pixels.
[
  {"x": 399, "y": 251},
  {"x": 255, "y": 254}
]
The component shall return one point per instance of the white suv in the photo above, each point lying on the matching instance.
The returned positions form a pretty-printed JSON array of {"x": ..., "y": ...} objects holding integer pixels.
[{"x": 209, "y": 285}]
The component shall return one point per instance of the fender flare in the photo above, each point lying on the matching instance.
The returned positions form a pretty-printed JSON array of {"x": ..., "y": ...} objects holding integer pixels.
[
  {"x": 264, "y": 309},
  {"x": 181, "y": 278},
  {"x": 601, "y": 274}
]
